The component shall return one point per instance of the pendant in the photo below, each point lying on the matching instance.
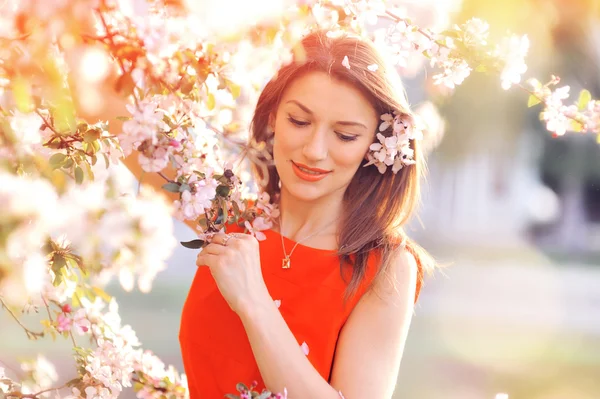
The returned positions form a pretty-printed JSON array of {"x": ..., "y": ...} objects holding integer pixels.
[{"x": 285, "y": 263}]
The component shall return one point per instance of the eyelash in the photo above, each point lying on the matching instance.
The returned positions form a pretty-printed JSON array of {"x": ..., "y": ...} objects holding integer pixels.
[{"x": 342, "y": 137}]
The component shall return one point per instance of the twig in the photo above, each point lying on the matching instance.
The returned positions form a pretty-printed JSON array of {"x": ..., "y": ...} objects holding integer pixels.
[
  {"x": 27, "y": 330},
  {"x": 48, "y": 124},
  {"x": 109, "y": 36},
  {"x": 47, "y": 308},
  {"x": 428, "y": 36},
  {"x": 33, "y": 395},
  {"x": 525, "y": 89},
  {"x": 165, "y": 177}
]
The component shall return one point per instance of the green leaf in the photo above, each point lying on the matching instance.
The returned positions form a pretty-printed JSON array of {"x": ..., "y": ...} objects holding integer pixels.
[
  {"x": 210, "y": 102},
  {"x": 533, "y": 100},
  {"x": 68, "y": 164},
  {"x": 194, "y": 244},
  {"x": 184, "y": 187},
  {"x": 235, "y": 89},
  {"x": 78, "y": 175},
  {"x": 58, "y": 262},
  {"x": 241, "y": 387},
  {"x": 203, "y": 223},
  {"x": 223, "y": 191},
  {"x": 88, "y": 170},
  {"x": 584, "y": 98},
  {"x": 57, "y": 160},
  {"x": 171, "y": 187},
  {"x": 575, "y": 126}
]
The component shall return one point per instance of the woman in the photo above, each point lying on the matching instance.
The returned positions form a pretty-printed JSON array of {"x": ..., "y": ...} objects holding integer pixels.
[{"x": 323, "y": 305}]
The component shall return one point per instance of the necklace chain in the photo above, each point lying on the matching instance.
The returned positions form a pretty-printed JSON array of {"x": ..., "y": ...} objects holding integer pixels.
[{"x": 286, "y": 262}]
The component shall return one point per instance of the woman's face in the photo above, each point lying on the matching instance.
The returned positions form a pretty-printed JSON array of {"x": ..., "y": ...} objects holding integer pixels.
[{"x": 321, "y": 123}]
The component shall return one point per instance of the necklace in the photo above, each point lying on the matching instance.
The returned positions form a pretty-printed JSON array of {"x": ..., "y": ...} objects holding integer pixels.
[{"x": 286, "y": 262}]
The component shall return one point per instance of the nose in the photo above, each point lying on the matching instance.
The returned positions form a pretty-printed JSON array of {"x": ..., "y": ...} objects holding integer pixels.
[{"x": 316, "y": 147}]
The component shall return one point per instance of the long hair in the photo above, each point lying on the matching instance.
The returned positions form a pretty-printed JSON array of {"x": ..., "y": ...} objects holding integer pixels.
[{"x": 376, "y": 205}]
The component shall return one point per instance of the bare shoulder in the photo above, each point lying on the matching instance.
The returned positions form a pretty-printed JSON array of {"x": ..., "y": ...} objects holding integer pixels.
[
  {"x": 399, "y": 281},
  {"x": 371, "y": 343}
]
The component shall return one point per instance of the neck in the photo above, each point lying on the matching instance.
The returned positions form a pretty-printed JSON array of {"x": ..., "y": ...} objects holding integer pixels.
[{"x": 301, "y": 218}]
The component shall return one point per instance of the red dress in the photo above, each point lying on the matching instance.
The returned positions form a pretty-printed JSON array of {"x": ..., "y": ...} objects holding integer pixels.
[{"x": 215, "y": 349}]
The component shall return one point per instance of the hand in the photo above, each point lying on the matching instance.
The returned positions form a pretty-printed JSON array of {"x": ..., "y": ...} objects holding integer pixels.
[{"x": 234, "y": 262}]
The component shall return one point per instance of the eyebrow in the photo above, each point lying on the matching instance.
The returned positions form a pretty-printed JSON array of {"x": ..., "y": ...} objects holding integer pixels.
[{"x": 308, "y": 111}]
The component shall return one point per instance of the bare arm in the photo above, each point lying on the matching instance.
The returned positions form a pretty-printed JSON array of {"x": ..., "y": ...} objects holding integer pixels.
[
  {"x": 368, "y": 352},
  {"x": 372, "y": 342}
]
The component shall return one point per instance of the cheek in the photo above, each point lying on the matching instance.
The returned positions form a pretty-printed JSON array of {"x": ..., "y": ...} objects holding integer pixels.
[{"x": 349, "y": 156}]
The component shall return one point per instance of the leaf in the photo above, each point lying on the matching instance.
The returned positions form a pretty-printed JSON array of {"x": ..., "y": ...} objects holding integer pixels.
[
  {"x": 78, "y": 175},
  {"x": 194, "y": 244},
  {"x": 235, "y": 89},
  {"x": 241, "y": 387},
  {"x": 210, "y": 102},
  {"x": 123, "y": 118},
  {"x": 73, "y": 382},
  {"x": 57, "y": 160},
  {"x": 584, "y": 98},
  {"x": 88, "y": 170},
  {"x": 533, "y": 100},
  {"x": 575, "y": 126},
  {"x": 223, "y": 191},
  {"x": 58, "y": 262},
  {"x": 125, "y": 84},
  {"x": 75, "y": 301},
  {"x": 184, "y": 187},
  {"x": 21, "y": 93},
  {"x": 171, "y": 187},
  {"x": 203, "y": 223},
  {"x": 102, "y": 294},
  {"x": 68, "y": 164},
  {"x": 91, "y": 135}
]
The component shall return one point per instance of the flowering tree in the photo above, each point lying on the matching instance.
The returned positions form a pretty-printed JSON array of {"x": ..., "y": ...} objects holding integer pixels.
[{"x": 65, "y": 227}]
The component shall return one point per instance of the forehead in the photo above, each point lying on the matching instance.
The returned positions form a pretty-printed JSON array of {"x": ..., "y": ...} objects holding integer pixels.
[{"x": 329, "y": 97}]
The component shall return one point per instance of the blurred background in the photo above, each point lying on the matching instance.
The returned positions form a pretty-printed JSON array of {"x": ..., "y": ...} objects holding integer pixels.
[{"x": 512, "y": 211}]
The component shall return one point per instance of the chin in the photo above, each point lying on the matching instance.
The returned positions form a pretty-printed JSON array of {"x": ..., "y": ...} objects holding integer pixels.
[{"x": 309, "y": 192}]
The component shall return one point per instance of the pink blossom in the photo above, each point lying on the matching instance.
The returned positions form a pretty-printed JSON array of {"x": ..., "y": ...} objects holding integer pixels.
[{"x": 63, "y": 323}]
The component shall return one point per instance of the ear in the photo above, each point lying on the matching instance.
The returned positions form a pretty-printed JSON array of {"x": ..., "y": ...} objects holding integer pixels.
[{"x": 271, "y": 123}]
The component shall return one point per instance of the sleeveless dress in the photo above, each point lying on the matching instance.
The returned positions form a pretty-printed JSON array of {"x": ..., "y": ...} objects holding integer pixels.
[{"x": 214, "y": 345}]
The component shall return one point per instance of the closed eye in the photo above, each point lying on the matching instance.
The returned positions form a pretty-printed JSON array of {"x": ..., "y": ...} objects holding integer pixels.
[
  {"x": 297, "y": 122},
  {"x": 343, "y": 137}
]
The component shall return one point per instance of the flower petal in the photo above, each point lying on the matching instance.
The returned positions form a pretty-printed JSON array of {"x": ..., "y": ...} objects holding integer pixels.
[
  {"x": 346, "y": 62},
  {"x": 305, "y": 348}
]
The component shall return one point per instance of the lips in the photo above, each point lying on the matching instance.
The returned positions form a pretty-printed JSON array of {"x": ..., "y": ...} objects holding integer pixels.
[{"x": 307, "y": 173}]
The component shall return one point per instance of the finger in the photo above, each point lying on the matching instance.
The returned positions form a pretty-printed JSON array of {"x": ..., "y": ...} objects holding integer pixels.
[
  {"x": 214, "y": 249},
  {"x": 209, "y": 260},
  {"x": 240, "y": 236},
  {"x": 221, "y": 238}
]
